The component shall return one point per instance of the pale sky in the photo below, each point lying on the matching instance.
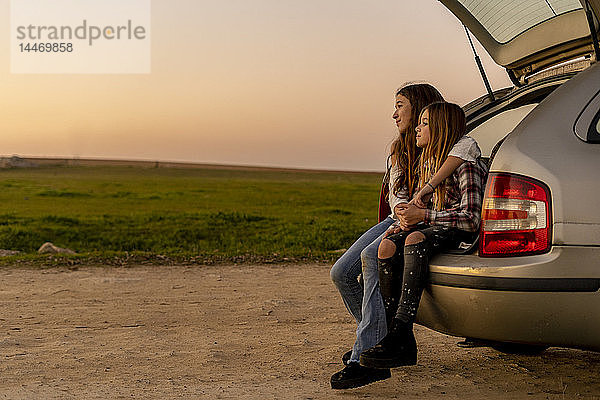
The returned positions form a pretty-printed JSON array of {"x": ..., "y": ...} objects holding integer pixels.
[{"x": 287, "y": 83}]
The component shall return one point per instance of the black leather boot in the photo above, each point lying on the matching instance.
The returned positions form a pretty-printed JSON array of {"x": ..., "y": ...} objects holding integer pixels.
[
  {"x": 355, "y": 375},
  {"x": 398, "y": 348}
]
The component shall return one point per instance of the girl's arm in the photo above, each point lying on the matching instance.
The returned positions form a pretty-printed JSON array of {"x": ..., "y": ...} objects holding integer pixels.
[
  {"x": 465, "y": 150},
  {"x": 396, "y": 198},
  {"x": 471, "y": 181},
  {"x": 466, "y": 216},
  {"x": 448, "y": 167}
]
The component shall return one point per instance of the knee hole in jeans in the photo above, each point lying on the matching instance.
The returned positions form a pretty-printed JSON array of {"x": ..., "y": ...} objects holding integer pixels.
[
  {"x": 387, "y": 248},
  {"x": 414, "y": 238}
]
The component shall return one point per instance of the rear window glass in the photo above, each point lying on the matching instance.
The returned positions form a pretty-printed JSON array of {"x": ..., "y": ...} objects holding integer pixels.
[
  {"x": 506, "y": 19},
  {"x": 594, "y": 132},
  {"x": 587, "y": 126}
]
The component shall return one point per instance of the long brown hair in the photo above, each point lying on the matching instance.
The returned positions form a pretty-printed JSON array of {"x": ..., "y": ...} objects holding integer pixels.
[
  {"x": 447, "y": 124},
  {"x": 404, "y": 151}
]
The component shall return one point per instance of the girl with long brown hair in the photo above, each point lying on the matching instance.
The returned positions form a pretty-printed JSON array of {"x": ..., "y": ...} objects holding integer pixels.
[
  {"x": 364, "y": 301},
  {"x": 453, "y": 216}
]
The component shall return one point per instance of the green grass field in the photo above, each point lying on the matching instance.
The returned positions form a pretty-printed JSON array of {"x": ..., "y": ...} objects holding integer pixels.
[{"x": 130, "y": 214}]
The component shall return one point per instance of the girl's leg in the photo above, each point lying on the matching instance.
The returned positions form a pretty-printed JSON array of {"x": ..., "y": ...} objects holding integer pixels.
[
  {"x": 419, "y": 248},
  {"x": 370, "y": 325},
  {"x": 399, "y": 346},
  {"x": 390, "y": 268},
  {"x": 372, "y": 328},
  {"x": 347, "y": 268},
  {"x": 414, "y": 278}
]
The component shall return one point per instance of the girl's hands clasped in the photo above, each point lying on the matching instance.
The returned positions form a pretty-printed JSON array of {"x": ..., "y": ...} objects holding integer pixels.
[
  {"x": 407, "y": 215},
  {"x": 395, "y": 227},
  {"x": 410, "y": 216}
]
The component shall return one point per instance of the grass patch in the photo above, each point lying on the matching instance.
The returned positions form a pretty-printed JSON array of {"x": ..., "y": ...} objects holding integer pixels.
[{"x": 184, "y": 215}]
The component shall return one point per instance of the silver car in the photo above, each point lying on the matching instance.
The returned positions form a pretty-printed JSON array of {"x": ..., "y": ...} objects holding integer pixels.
[{"x": 534, "y": 277}]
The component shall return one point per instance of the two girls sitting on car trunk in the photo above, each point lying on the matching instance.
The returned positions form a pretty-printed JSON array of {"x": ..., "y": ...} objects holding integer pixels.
[
  {"x": 417, "y": 234},
  {"x": 403, "y": 257}
]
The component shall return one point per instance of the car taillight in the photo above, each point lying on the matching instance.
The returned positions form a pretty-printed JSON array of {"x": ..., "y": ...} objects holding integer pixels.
[{"x": 515, "y": 217}]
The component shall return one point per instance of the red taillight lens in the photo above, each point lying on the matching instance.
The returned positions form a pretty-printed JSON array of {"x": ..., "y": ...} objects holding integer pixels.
[{"x": 515, "y": 217}]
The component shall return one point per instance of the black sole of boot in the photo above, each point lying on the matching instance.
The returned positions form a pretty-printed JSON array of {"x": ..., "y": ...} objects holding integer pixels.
[
  {"x": 385, "y": 363},
  {"x": 362, "y": 381}
]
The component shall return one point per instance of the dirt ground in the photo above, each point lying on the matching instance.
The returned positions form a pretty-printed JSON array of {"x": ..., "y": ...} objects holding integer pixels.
[{"x": 232, "y": 332}]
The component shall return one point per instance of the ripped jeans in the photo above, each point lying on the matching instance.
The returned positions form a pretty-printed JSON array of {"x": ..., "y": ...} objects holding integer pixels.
[
  {"x": 403, "y": 276},
  {"x": 364, "y": 302}
]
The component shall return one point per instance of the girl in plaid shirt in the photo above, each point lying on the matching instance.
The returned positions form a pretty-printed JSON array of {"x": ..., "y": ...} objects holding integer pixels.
[
  {"x": 364, "y": 301},
  {"x": 452, "y": 216}
]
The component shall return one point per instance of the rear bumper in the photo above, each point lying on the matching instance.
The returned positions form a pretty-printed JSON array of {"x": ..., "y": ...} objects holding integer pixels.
[
  {"x": 515, "y": 284},
  {"x": 550, "y": 299}
]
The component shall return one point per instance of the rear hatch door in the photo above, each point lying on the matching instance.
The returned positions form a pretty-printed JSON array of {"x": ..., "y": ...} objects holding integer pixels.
[{"x": 527, "y": 36}]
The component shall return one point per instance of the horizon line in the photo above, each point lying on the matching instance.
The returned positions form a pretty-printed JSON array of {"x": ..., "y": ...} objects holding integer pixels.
[{"x": 93, "y": 161}]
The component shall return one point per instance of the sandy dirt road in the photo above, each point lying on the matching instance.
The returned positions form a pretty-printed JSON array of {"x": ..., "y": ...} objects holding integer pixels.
[{"x": 232, "y": 332}]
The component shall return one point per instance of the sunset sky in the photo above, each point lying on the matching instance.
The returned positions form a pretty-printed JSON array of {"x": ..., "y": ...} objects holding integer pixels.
[{"x": 289, "y": 83}]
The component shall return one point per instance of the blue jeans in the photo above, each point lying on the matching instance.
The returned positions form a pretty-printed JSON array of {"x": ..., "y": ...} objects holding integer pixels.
[{"x": 364, "y": 303}]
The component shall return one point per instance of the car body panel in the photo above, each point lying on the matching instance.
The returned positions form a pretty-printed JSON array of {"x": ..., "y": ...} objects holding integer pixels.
[
  {"x": 549, "y": 299},
  {"x": 522, "y": 317},
  {"x": 566, "y": 36},
  {"x": 561, "y": 262},
  {"x": 527, "y": 314},
  {"x": 544, "y": 146},
  {"x": 491, "y": 131}
]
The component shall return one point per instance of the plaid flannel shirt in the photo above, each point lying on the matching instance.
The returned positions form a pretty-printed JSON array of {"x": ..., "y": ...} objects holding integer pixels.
[{"x": 464, "y": 195}]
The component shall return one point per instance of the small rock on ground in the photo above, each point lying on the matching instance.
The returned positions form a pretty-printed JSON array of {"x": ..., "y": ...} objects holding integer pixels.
[{"x": 49, "y": 248}]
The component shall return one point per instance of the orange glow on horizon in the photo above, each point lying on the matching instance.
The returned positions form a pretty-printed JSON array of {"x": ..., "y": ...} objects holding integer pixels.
[{"x": 270, "y": 82}]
